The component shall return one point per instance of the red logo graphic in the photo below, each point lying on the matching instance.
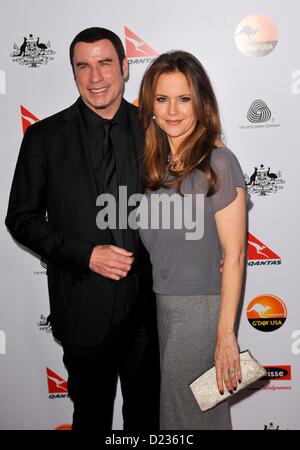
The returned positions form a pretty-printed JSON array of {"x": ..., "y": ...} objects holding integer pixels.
[
  {"x": 258, "y": 251},
  {"x": 65, "y": 426},
  {"x": 278, "y": 373},
  {"x": 136, "y": 47},
  {"x": 56, "y": 384},
  {"x": 27, "y": 118}
]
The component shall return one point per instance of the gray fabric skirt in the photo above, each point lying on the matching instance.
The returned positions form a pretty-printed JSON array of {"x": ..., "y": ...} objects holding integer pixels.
[{"x": 187, "y": 327}]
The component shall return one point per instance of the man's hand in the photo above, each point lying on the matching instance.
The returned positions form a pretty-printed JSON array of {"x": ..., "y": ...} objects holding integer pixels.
[{"x": 111, "y": 261}]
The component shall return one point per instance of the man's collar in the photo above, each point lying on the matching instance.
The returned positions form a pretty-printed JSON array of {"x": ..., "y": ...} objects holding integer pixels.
[
  {"x": 92, "y": 120},
  {"x": 120, "y": 118}
]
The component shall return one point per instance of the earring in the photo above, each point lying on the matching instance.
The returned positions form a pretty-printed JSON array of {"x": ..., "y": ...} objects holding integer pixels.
[{"x": 153, "y": 117}]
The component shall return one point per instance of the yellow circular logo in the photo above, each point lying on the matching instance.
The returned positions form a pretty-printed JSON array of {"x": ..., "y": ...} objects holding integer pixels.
[
  {"x": 256, "y": 35},
  {"x": 266, "y": 312}
]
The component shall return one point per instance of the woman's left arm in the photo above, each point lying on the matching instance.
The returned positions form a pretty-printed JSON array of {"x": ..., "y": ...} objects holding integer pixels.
[{"x": 231, "y": 227}]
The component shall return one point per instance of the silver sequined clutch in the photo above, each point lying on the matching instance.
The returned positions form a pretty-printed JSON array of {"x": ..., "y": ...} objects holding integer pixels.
[{"x": 205, "y": 387}]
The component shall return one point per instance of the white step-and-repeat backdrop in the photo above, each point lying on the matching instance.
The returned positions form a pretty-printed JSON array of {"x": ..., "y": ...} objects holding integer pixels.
[{"x": 251, "y": 52}]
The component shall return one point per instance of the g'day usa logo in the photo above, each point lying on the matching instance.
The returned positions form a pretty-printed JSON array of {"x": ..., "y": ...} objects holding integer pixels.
[
  {"x": 57, "y": 386},
  {"x": 32, "y": 52},
  {"x": 256, "y": 35},
  {"x": 266, "y": 312},
  {"x": 264, "y": 181},
  {"x": 261, "y": 255},
  {"x": 137, "y": 51}
]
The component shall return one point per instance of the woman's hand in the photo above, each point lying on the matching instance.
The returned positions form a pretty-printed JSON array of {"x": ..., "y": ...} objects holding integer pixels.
[
  {"x": 231, "y": 226},
  {"x": 227, "y": 362}
]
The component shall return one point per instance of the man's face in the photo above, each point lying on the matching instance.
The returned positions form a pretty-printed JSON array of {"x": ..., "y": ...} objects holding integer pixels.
[{"x": 98, "y": 76}]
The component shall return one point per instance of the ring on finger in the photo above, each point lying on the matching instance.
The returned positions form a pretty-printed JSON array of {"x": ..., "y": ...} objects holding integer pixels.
[{"x": 231, "y": 373}]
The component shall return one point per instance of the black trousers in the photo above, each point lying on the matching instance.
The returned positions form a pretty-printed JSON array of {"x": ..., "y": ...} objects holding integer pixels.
[{"x": 128, "y": 352}]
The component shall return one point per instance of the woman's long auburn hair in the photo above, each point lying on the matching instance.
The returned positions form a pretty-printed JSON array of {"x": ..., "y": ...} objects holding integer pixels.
[{"x": 196, "y": 149}]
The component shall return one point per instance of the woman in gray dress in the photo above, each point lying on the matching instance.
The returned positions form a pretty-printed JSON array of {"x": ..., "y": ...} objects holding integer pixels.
[{"x": 189, "y": 173}]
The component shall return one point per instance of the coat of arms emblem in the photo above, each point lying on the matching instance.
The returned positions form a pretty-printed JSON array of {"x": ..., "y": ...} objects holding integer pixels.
[
  {"x": 263, "y": 182},
  {"x": 32, "y": 52}
]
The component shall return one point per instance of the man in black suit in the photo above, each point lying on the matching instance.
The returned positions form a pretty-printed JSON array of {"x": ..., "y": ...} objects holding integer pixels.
[{"x": 100, "y": 300}]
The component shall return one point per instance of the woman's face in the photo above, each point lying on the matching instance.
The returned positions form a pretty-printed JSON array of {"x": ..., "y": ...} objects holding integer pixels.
[{"x": 173, "y": 107}]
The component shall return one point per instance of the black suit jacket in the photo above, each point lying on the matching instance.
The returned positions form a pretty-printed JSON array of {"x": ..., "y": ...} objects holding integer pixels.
[{"x": 54, "y": 175}]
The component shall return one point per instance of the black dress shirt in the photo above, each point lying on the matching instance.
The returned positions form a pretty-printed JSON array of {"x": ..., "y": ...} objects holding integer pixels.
[{"x": 125, "y": 156}]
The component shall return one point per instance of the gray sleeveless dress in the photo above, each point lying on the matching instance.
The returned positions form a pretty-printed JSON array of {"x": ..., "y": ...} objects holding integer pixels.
[{"x": 187, "y": 283}]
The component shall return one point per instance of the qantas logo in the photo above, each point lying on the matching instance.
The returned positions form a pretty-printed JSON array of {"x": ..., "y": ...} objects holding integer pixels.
[
  {"x": 57, "y": 386},
  {"x": 65, "y": 426},
  {"x": 137, "y": 50},
  {"x": 27, "y": 118},
  {"x": 259, "y": 254}
]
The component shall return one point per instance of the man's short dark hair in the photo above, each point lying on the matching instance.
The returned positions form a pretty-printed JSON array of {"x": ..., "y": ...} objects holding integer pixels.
[{"x": 94, "y": 34}]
